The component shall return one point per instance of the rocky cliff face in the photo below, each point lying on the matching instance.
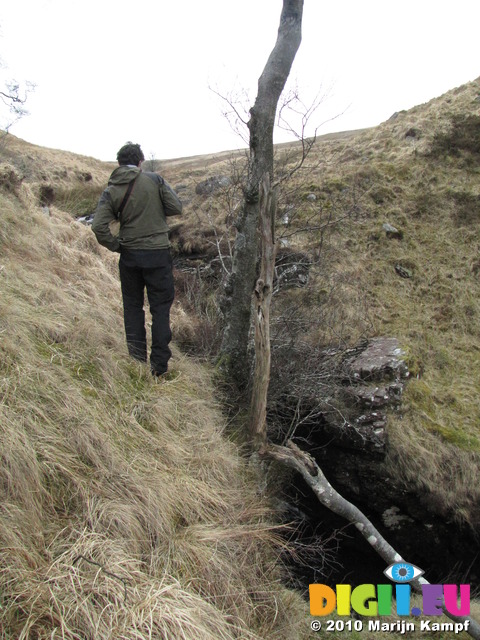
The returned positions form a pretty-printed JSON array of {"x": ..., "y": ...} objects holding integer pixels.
[
  {"x": 374, "y": 375},
  {"x": 350, "y": 448}
]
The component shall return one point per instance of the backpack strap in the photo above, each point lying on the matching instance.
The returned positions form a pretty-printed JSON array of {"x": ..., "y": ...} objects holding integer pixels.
[{"x": 126, "y": 196}]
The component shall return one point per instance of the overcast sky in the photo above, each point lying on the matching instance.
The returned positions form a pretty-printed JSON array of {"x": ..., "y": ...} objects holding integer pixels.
[{"x": 108, "y": 71}]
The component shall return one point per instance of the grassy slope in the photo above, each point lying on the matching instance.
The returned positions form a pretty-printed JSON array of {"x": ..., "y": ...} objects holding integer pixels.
[
  {"x": 74, "y": 409},
  {"x": 124, "y": 512},
  {"x": 365, "y": 179},
  {"x": 435, "y": 444}
]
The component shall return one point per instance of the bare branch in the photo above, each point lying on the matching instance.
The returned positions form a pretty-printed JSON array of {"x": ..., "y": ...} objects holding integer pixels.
[
  {"x": 14, "y": 98},
  {"x": 233, "y": 115},
  {"x": 304, "y": 463},
  {"x": 108, "y": 573}
]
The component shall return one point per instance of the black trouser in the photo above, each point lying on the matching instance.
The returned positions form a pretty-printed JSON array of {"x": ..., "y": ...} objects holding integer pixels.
[{"x": 151, "y": 269}]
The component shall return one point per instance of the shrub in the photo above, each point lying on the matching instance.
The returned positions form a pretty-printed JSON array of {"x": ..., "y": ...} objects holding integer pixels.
[{"x": 463, "y": 135}]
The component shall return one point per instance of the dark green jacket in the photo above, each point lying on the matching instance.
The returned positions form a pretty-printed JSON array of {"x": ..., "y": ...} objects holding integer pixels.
[{"x": 143, "y": 223}]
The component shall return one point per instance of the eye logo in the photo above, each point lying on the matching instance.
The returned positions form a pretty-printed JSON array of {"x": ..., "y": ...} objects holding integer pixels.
[
  {"x": 403, "y": 572},
  {"x": 377, "y": 600}
]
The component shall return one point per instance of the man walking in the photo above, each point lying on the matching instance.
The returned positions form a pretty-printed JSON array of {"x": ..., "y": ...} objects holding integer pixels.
[{"x": 140, "y": 201}]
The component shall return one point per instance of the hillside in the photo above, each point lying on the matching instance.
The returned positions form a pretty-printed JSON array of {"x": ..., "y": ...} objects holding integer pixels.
[
  {"x": 419, "y": 172},
  {"x": 125, "y": 511},
  {"x": 117, "y": 490},
  {"x": 354, "y": 280}
]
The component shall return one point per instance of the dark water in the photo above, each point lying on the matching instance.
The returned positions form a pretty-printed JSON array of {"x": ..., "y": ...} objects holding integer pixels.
[{"x": 340, "y": 555}]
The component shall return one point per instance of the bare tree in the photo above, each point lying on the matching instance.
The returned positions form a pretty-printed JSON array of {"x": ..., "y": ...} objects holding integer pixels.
[
  {"x": 234, "y": 350},
  {"x": 256, "y": 238},
  {"x": 152, "y": 164},
  {"x": 14, "y": 97}
]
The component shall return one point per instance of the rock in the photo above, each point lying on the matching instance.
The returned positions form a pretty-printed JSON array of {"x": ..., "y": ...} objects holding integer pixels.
[
  {"x": 87, "y": 220},
  {"x": 366, "y": 434},
  {"x": 391, "y": 231},
  {"x": 212, "y": 184},
  {"x": 377, "y": 397},
  {"x": 285, "y": 216},
  {"x": 380, "y": 360},
  {"x": 367, "y": 382},
  {"x": 291, "y": 269},
  {"x": 374, "y": 379},
  {"x": 350, "y": 450},
  {"x": 393, "y": 519},
  {"x": 403, "y": 272},
  {"x": 311, "y": 197}
]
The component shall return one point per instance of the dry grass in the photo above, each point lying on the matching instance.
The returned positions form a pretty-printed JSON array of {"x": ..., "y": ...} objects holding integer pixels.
[
  {"x": 124, "y": 511},
  {"x": 61, "y": 168}
]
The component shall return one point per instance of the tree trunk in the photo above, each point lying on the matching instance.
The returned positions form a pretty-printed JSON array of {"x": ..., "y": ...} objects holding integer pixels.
[
  {"x": 234, "y": 354},
  {"x": 261, "y": 315}
]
